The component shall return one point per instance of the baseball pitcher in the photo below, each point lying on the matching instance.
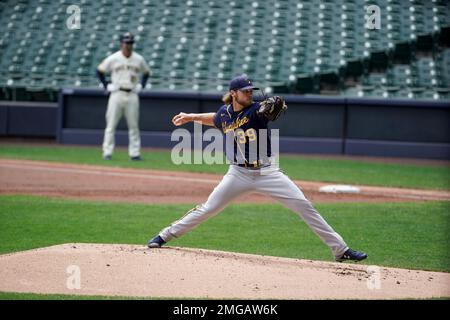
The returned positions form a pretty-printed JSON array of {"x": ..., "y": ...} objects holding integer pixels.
[
  {"x": 246, "y": 121},
  {"x": 124, "y": 66}
]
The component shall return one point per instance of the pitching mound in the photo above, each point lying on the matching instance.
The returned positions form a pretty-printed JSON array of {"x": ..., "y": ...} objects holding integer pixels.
[{"x": 128, "y": 270}]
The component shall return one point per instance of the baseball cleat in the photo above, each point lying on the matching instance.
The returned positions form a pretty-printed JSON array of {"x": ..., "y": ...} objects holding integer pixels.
[
  {"x": 352, "y": 255},
  {"x": 107, "y": 157},
  {"x": 136, "y": 158},
  {"x": 156, "y": 242}
]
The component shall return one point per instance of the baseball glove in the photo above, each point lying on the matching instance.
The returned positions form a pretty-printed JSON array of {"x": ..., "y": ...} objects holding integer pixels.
[{"x": 272, "y": 107}]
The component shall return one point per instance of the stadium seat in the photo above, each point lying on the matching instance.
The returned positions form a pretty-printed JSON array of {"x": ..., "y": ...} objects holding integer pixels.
[{"x": 198, "y": 45}]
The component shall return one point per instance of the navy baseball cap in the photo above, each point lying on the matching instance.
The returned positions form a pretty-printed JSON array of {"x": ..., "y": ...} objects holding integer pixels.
[
  {"x": 242, "y": 82},
  {"x": 127, "y": 38}
]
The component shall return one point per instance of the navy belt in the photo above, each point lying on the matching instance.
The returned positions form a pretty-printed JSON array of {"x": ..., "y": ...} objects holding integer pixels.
[
  {"x": 125, "y": 89},
  {"x": 253, "y": 166}
]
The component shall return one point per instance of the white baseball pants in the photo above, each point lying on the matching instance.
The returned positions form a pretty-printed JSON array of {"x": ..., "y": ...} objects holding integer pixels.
[
  {"x": 122, "y": 103},
  {"x": 270, "y": 181}
]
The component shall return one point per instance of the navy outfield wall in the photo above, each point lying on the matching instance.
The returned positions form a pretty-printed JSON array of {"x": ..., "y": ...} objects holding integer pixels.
[
  {"x": 28, "y": 119},
  {"x": 312, "y": 124}
]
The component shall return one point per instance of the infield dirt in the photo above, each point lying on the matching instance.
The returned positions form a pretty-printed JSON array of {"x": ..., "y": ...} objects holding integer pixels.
[{"x": 153, "y": 186}]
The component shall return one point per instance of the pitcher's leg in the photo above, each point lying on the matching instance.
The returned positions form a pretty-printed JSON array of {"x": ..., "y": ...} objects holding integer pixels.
[
  {"x": 317, "y": 223},
  {"x": 132, "y": 116},
  {"x": 113, "y": 115},
  {"x": 286, "y": 191},
  {"x": 231, "y": 186}
]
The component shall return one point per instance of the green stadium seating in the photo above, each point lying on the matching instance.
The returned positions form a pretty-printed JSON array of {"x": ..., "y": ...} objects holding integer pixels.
[{"x": 297, "y": 46}]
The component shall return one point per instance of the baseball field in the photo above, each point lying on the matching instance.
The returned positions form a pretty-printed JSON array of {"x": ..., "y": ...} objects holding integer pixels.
[{"x": 66, "y": 216}]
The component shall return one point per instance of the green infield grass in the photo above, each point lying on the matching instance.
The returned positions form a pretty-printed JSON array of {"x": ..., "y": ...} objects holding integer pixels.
[
  {"x": 35, "y": 296},
  {"x": 405, "y": 235}
]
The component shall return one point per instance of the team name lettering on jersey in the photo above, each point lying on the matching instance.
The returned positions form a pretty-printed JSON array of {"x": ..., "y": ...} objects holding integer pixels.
[
  {"x": 245, "y": 128},
  {"x": 126, "y": 67},
  {"x": 236, "y": 124}
]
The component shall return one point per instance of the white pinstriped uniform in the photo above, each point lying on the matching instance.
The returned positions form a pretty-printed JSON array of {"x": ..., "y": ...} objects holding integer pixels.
[{"x": 124, "y": 75}]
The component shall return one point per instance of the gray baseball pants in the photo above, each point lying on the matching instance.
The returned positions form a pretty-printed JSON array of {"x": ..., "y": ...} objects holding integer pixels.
[{"x": 270, "y": 181}]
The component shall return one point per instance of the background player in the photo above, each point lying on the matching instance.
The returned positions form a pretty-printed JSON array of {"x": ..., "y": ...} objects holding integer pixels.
[
  {"x": 240, "y": 116},
  {"x": 124, "y": 66}
]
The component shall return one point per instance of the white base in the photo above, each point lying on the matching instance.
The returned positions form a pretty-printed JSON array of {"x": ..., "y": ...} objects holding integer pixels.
[{"x": 339, "y": 189}]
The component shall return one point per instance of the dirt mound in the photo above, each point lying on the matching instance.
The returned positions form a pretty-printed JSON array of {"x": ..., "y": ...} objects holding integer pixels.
[{"x": 130, "y": 270}]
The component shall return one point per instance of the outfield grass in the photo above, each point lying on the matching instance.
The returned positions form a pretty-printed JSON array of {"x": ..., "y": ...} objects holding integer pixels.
[
  {"x": 297, "y": 167},
  {"x": 405, "y": 235}
]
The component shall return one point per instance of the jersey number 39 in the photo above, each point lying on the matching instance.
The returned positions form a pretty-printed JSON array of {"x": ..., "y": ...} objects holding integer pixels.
[{"x": 242, "y": 136}]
